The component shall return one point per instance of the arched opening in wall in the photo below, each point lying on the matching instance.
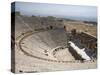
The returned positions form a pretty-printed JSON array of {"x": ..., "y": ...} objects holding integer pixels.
[
  {"x": 20, "y": 71},
  {"x": 51, "y": 27},
  {"x": 73, "y": 32},
  {"x": 65, "y": 27}
]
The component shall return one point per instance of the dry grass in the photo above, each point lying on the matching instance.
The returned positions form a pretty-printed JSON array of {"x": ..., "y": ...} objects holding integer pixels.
[{"x": 80, "y": 26}]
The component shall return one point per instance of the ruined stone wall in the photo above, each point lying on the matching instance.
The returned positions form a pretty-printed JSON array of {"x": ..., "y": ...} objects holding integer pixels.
[
  {"x": 51, "y": 21},
  {"x": 87, "y": 40}
]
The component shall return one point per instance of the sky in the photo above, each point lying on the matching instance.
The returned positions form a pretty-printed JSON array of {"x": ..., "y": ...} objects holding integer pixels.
[{"x": 57, "y": 10}]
